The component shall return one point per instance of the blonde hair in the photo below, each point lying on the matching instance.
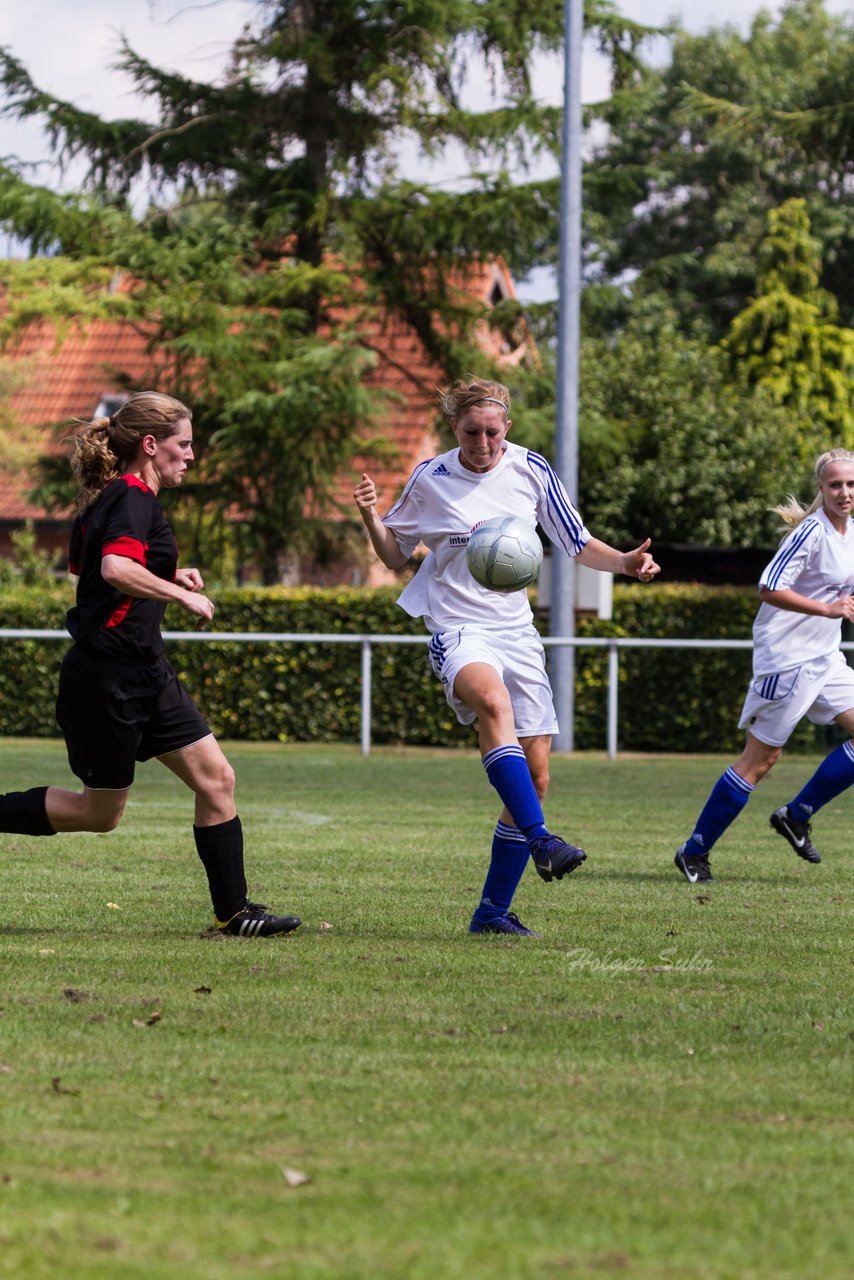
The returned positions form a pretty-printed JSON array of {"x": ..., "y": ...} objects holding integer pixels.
[
  {"x": 463, "y": 395},
  {"x": 791, "y": 512},
  {"x": 104, "y": 447}
]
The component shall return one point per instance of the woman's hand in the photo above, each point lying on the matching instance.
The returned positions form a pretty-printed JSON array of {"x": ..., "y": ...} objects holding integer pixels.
[
  {"x": 189, "y": 579},
  {"x": 365, "y": 497},
  {"x": 198, "y": 606},
  {"x": 634, "y": 564},
  {"x": 842, "y": 608},
  {"x": 640, "y": 564}
]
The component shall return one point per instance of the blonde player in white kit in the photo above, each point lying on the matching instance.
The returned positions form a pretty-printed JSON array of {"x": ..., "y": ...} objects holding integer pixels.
[
  {"x": 798, "y": 668},
  {"x": 484, "y": 646}
]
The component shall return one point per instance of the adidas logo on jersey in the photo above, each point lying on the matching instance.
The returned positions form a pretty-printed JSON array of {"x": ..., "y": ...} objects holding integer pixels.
[{"x": 441, "y": 470}]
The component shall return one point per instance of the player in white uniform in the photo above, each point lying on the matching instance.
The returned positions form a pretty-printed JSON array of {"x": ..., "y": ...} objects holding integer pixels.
[
  {"x": 798, "y": 668},
  {"x": 484, "y": 645}
]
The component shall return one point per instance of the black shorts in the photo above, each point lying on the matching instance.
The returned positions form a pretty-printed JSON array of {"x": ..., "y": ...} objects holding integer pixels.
[{"x": 115, "y": 713}]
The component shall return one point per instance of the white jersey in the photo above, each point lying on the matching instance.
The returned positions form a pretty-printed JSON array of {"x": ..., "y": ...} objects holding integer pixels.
[
  {"x": 817, "y": 561},
  {"x": 443, "y": 503}
]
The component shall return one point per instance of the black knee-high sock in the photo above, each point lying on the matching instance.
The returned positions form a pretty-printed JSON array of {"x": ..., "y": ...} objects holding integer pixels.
[
  {"x": 24, "y": 813},
  {"x": 221, "y": 850}
]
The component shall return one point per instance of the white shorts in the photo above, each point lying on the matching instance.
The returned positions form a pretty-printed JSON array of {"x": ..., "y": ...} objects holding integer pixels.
[
  {"x": 517, "y": 656},
  {"x": 820, "y": 690}
]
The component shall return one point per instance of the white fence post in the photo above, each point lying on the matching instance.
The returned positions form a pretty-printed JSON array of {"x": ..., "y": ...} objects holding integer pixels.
[
  {"x": 366, "y": 698},
  {"x": 613, "y": 697}
]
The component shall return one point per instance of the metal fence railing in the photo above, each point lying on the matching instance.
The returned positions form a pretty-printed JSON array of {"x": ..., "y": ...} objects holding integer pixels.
[{"x": 613, "y": 644}]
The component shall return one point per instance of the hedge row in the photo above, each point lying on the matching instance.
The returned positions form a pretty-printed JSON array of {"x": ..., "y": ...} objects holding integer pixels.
[{"x": 669, "y": 700}]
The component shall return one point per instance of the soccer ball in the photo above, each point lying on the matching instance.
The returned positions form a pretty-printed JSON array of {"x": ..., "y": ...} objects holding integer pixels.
[{"x": 504, "y": 554}]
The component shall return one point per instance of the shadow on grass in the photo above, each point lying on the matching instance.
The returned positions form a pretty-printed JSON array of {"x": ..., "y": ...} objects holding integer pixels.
[
  {"x": 740, "y": 876},
  {"x": 11, "y": 931},
  {"x": 656, "y": 877}
]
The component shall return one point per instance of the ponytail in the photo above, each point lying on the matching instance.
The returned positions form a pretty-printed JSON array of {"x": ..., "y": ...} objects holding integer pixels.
[{"x": 94, "y": 462}]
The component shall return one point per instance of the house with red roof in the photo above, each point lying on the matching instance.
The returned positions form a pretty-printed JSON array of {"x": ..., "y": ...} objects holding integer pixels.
[{"x": 81, "y": 376}]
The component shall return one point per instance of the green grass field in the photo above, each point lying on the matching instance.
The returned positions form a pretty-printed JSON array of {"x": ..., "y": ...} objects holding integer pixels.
[{"x": 659, "y": 1088}]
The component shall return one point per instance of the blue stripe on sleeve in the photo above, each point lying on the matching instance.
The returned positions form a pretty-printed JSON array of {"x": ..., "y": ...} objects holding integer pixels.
[
  {"x": 787, "y": 552},
  {"x": 558, "y": 503}
]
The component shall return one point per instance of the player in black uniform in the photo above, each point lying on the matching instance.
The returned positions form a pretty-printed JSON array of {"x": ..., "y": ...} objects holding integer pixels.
[{"x": 119, "y": 699}]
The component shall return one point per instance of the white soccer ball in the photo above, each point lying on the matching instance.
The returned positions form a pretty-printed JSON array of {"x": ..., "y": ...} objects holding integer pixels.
[{"x": 504, "y": 554}]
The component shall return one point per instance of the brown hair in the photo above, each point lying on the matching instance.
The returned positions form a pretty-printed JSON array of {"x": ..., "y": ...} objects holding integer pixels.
[
  {"x": 104, "y": 447},
  {"x": 791, "y": 512},
  {"x": 463, "y": 395}
]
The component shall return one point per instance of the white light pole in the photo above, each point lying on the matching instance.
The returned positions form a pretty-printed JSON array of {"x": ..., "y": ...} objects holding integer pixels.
[{"x": 562, "y": 614}]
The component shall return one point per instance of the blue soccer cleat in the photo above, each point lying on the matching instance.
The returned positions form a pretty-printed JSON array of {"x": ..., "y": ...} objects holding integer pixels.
[
  {"x": 509, "y": 923},
  {"x": 554, "y": 858}
]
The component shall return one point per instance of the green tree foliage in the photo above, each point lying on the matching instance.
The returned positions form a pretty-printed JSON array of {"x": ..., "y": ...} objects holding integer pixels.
[
  {"x": 277, "y": 224},
  {"x": 670, "y": 448},
  {"x": 677, "y": 201},
  {"x": 786, "y": 339}
]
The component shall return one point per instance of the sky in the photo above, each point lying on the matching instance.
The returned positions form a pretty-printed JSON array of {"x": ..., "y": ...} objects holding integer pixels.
[{"x": 67, "y": 46}]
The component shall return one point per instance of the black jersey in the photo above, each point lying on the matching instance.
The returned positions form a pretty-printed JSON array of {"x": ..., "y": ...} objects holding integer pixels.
[{"x": 125, "y": 520}]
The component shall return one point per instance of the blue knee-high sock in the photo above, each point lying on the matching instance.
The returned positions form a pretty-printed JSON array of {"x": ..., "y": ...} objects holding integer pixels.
[
  {"x": 729, "y": 796},
  {"x": 509, "y": 859},
  {"x": 834, "y": 775},
  {"x": 507, "y": 770}
]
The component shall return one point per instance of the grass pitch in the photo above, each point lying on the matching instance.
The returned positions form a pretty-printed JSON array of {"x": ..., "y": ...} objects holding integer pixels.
[{"x": 660, "y": 1087}]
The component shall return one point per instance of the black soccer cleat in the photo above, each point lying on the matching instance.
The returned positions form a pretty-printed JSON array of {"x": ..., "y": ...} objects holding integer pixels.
[
  {"x": 255, "y": 921},
  {"x": 797, "y": 834},
  {"x": 694, "y": 867},
  {"x": 554, "y": 858}
]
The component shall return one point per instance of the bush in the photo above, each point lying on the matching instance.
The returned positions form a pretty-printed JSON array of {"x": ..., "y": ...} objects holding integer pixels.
[
  {"x": 681, "y": 701},
  {"x": 29, "y": 668}
]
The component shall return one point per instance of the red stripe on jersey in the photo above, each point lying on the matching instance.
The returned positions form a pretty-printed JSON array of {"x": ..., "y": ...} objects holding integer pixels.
[
  {"x": 120, "y": 613},
  {"x": 136, "y": 483},
  {"x": 131, "y": 548}
]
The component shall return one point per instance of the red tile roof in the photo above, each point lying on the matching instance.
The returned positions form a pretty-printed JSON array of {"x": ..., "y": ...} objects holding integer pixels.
[{"x": 60, "y": 382}]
